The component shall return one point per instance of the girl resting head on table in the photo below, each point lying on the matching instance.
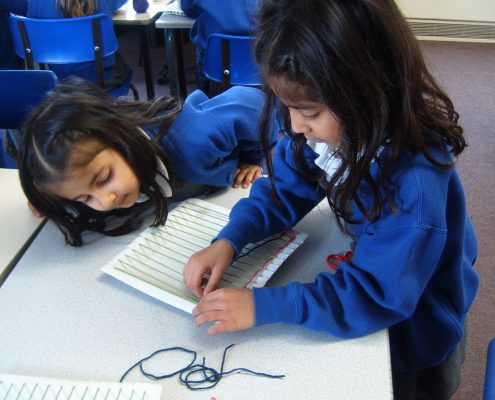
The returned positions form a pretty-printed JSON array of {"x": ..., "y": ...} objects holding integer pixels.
[
  {"x": 86, "y": 156},
  {"x": 367, "y": 127}
]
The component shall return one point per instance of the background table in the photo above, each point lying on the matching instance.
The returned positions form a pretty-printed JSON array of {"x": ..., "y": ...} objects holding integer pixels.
[
  {"x": 173, "y": 46},
  {"x": 17, "y": 224},
  {"x": 61, "y": 317},
  {"x": 127, "y": 17}
]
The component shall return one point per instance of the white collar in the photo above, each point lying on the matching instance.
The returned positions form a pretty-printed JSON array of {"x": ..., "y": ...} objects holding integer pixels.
[{"x": 328, "y": 159}]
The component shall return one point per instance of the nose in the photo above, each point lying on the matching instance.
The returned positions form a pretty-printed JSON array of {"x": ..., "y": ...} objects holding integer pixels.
[
  {"x": 297, "y": 121},
  {"x": 105, "y": 200}
]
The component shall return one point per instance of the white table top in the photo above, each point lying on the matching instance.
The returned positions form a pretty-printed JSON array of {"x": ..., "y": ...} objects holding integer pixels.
[
  {"x": 171, "y": 21},
  {"x": 63, "y": 318},
  {"x": 126, "y": 15},
  {"x": 17, "y": 223}
]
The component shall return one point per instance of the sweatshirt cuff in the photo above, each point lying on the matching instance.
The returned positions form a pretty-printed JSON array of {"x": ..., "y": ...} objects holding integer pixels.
[
  {"x": 238, "y": 234},
  {"x": 274, "y": 304}
]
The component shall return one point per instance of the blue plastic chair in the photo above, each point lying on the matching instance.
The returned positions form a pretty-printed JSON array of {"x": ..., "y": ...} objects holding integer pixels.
[
  {"x": 68, "y": 41},
  {"x": 489, "y": 387},
  {"x": 229, "y": 59},
  {"x": 21, "y": 90}
]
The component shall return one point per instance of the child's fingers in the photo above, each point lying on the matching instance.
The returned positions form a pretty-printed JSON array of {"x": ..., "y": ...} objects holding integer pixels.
[
  {"x": 221, "y": 327},
  {"x": 208, "y": 316},
  {"x": 213, "y": 260},
  {"x": 230, "y": 309},
  {"x": 194, "y": 284},
  {"x": 239, "y": 177},
  {"x": 194, "y": 278},
  {"x": 254, "y": 173},
  {"x": 215, "y": 276},
  {"x": 247, "y": 174}
]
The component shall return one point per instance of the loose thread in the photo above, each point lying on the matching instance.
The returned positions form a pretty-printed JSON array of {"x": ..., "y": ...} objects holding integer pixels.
[
  {"x": 270, "y": 259},
  {"x": 154, "y": 377},
  {"x": 209, "y": 377},
  {"x": 255, "y": 247}
]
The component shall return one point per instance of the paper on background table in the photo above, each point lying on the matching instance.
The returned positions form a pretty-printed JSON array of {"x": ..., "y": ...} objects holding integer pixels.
[
  {"x": 154, "y": 261},
  {"x": 174, "y": 8},
  {"x": 19, "y": 387}
]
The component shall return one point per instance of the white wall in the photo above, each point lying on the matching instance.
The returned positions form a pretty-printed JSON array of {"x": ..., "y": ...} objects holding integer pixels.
[{"x": 466, "y": 10}]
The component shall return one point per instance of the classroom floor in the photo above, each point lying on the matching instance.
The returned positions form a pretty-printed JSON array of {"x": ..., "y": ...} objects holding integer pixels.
[
  {"x": 466, "y": 71},
  {"x": 129, "y": 47}
]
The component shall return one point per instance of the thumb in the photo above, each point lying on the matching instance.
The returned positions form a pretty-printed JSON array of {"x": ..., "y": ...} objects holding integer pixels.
[{"x": 215, "y": 276}]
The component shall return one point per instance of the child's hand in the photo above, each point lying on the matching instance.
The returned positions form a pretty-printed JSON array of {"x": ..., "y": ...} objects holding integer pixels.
[
  {"x": 35, "y": 212},
  {"x": 231, "y": 310},
  {"x": 246, "y": 174},
  {"x": 213, "y": 260}
]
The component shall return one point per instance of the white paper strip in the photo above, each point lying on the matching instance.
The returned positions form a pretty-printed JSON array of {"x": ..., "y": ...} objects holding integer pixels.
[
  {"x": 18, "y": 387},
  {"x": 154, "y": 261}
]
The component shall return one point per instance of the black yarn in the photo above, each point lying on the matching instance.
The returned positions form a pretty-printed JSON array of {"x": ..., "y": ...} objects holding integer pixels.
[
  {"x": 255, "y": 247},
  {"x": 209, "y": 377}
]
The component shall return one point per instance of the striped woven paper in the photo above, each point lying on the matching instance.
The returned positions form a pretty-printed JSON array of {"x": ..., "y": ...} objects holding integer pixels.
[
  {"x": 19, "y": 387},
  {"x": 154, "y": 261}
]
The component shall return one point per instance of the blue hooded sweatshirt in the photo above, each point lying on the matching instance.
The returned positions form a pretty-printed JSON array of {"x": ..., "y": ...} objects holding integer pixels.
[
  {"x": 211, "y": 137},
  {"x": 412, "y": 270}
]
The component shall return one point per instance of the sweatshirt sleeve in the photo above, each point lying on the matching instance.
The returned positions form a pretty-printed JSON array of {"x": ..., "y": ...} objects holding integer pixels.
[
  {"x": 261, "y": 214},
  {"x": 190, "y": 8},
  {"x": 239, "y": 111},
  {"x": 375, "y": 291},
  {"x": 210, "y": 137}
]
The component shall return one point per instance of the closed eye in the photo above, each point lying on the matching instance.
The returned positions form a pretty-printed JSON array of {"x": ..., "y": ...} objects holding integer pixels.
[
  {"x": 309, "y": 117},
  {"x": 83, "y": 199},
  {"x": 106, "y": 177}
]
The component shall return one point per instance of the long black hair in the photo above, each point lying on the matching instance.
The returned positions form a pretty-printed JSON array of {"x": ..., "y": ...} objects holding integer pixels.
[
  {"x": 359, "y": 58},
  {"x": 79, "y": 117}
]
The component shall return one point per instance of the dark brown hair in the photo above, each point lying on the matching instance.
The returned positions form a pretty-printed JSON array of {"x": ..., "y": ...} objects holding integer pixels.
[
  {"x": 359, "y": 58},
  {"x": 78, "y": 8},
  {"x": 80, "y": 117}
]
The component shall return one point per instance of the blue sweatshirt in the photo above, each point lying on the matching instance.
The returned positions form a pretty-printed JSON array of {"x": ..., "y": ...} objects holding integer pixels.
[
  {"x": 230, "y": 17},
  {"x": 211, "y": 137},
  {"x": 412, "y": 272}
]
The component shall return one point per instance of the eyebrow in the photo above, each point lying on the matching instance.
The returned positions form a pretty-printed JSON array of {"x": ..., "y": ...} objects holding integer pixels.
[{"x": 302, "y": 106}]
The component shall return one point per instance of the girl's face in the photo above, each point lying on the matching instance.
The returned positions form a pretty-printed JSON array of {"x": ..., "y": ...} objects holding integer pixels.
[
  {"x": 316, "y": 122},
  {"x": 312, "y": 119},
  {"x": 105, "y": 183}
]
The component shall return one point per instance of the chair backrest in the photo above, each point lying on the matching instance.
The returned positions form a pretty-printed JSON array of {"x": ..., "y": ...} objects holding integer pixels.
[
  {"x": 64, "y": 41},
  {"x": 21, "y": 90},
  {"x": 229, "y": 59}
]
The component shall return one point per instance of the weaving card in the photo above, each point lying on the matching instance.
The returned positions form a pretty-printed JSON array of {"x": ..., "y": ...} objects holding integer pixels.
[
  {"x": 154, "y": 261},
  {"x": 19, "y": 387}
]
